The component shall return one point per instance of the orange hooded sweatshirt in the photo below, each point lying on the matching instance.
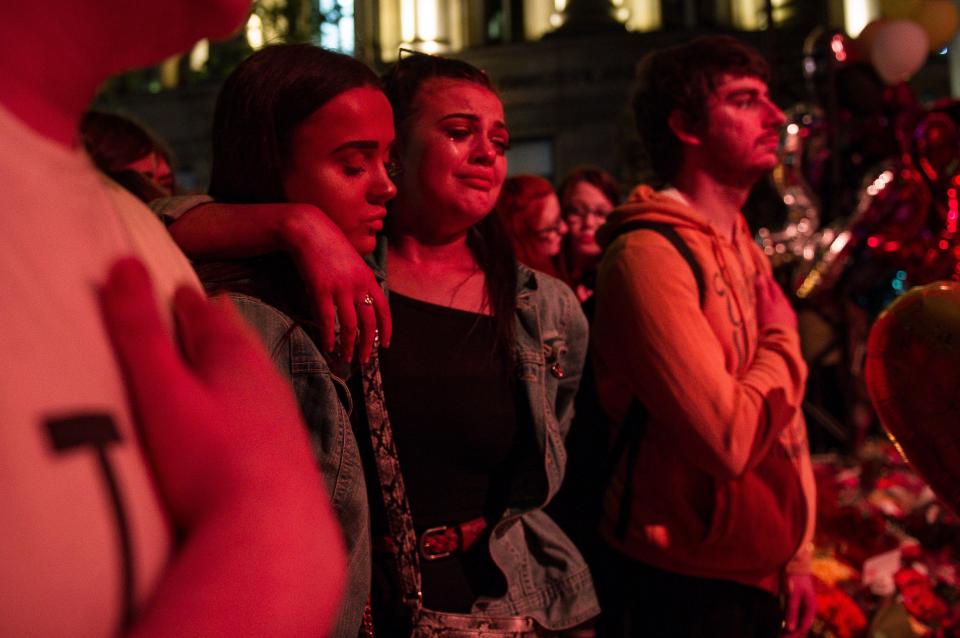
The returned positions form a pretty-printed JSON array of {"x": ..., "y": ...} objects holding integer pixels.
[{"x": 722, "y": 486}]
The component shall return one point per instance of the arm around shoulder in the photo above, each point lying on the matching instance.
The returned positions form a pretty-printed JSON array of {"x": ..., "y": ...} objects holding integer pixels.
[
  {"x": 205, "y": 229},
  {"x": 336, "y": 277}
]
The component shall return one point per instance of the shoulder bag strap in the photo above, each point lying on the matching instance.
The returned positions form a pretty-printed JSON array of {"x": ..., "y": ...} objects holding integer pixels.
[{"x": 399, "y": 518}]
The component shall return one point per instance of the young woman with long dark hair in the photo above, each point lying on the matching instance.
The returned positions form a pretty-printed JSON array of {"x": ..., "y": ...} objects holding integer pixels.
[{"x": 298, "y": 124}]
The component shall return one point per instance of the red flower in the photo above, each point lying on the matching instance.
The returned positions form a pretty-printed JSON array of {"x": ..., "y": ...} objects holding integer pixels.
[
  {"x": 918, "y": 597},
  {"x": 838, "y": 611}
]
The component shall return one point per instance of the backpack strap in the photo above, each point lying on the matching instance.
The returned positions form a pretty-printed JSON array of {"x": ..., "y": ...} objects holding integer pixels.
[
  {"x": 634, "y": 425},
  {"x": 669, "y": 233}
]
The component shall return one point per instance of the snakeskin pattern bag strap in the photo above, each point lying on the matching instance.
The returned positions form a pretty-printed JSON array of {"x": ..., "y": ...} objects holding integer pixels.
[{"x": 392, "y": 489}]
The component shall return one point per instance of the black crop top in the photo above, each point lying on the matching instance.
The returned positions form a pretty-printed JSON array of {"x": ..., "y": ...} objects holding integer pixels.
[{"x": 451, "y": 400}]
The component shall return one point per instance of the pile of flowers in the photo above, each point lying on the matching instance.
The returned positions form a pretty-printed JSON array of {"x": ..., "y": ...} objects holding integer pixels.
[{"x": 887, "y": 558}]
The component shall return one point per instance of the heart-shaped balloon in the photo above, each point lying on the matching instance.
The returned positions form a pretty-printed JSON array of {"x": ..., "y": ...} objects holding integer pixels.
[{"x": 913, "y": 378}]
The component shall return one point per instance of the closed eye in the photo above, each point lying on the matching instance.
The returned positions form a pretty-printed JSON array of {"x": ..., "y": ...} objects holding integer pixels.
[{"x": 356, "y": 160}]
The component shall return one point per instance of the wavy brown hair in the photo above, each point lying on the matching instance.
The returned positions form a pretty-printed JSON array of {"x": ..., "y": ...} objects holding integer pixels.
[{"x": 681, "y": 78}]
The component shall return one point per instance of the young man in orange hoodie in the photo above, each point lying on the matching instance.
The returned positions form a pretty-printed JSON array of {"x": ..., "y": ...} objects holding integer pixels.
[{"x": 710, "y": 509}]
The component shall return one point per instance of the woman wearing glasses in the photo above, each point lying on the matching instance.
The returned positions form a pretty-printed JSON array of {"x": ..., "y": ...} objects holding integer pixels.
[{"x": 587, "y": 195}]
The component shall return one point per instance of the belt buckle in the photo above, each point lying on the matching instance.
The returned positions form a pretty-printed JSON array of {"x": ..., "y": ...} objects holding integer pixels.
[{"x": 427, "y": 553}]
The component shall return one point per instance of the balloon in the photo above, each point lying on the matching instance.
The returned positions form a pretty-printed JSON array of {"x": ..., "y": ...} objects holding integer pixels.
[
  {"x": 899, "y": 9},
  {"x": 891, "y": 211},
  {"x": 894, "y": 207},
  {"x": 803, "y": 209},
  {"x": 940, "y": 19},
  {"x": 913, "y": 376},
  {"x": 898, "y": 51},
  {"x": 863, "y": 43}
]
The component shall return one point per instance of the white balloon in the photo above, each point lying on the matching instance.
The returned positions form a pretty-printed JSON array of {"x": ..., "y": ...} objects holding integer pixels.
[{"x": 899, "y": 50}]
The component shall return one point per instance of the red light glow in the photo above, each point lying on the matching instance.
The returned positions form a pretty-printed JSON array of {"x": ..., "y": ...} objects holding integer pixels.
[{"x": 953, "y": 210}]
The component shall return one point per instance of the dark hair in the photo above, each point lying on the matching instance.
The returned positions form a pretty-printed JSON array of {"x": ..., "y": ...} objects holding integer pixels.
[
  {"x": 114, "y": 142},
  {"x": 404, "y": 78},
  {"x": 487, "y": 239},
  {"x": 259, "y": 107},
  {"x": 681, "y": 78},
  {"x": 592, "y": 175}
]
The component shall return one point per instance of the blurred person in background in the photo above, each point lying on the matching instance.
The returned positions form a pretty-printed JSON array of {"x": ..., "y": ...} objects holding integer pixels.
[
  {"x": 587, "y": 195},
  {"x": 530, "y": 211},
  {"x": 128, "y": 154}
]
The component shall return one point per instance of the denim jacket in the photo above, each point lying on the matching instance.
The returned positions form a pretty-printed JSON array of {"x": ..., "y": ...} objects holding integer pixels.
[
  {"x": 324, "y": 401},
  {"x": 547, "y": 578},
  {"x": 325, "y": 404}
]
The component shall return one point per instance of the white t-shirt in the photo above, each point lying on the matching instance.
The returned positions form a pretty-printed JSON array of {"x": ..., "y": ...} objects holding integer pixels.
[{"x": 61, "y": 562}]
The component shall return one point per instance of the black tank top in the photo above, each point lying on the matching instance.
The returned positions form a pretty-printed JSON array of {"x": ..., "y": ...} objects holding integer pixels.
[{"x": 451, "y": 401}]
